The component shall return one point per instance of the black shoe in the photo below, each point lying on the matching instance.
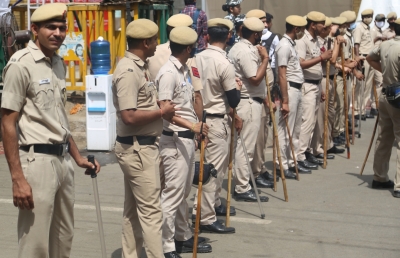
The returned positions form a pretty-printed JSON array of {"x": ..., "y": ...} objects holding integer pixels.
[
  {"x": 187, "y": 246},
  {"x": 357, "y": 117},
  {"x": 217, "y": 227},
  {"x": 363, "y": 118},
  {"x": 249, "y": 196},
  {"x": 261, "y": 182},
  {"x": 337, "y": 141},
  {"x": 269, "y": 176},
  {"x": 301, "y": 169},
  {"x": 308, "y": 165},
  {"x": 221, "y": 210},
  {"x": 313, "y": 159},
  {"x": 374, "y": 111},
  {"x": 378, "y": 185},
  {"x": 370, "y": 116},
  {"x": 335, "y": 150},
  {"x": 172, "y": 255},
  {"x": 396, "y": 194},
  {"x": 289, "y": 174},
  {"x": 321, "y": 156}
]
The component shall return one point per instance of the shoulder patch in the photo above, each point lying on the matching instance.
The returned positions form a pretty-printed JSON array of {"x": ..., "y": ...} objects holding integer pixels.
[{"x": 195, "y": 72}]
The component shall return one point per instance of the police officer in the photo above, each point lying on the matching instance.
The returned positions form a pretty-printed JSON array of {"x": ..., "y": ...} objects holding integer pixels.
[
  {"x": 233, "y": 8},
  {"x": 331, "y": 33},
  {"x": 311, "y": 57},
  {"x": 250, "y": 61},
  {"x": 177, "y": 146},
  {"x": 34, "y": 120},
  {"x": 389, "y": 33},
  {"x": 138, "y": 125},
  {"x": 220, "y": 93},
  {"x": 290, "y": 78},
  {"x": 238, "y": 26},
  {"x": 363, "y": 44},
  {"x": 385, "y": 58}
]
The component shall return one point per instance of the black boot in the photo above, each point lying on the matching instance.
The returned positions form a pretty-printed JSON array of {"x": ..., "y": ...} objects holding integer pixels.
[
  {"x": 313, "y": 159},
  {"x": 221, "y": 210},
  {"x": 249, "y": 196},
  {"x": 187, "y": 246}
]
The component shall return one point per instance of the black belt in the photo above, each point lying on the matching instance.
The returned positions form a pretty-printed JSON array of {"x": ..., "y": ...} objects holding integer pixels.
[
  {"x": 183, "y": 134},
  {"x": 259, "y": 100},
  {"x": 295, "y": 85},
  {"x": 52, "y": 149},
  {"x": 142, "y": 140},
  {"x": 331, "y": 77},
  {"x": 316, "y": 82},
  {"x": 215, "y": 115},
  {"x": 340, "y": 74},
  {"x": 365, "y": 55}
]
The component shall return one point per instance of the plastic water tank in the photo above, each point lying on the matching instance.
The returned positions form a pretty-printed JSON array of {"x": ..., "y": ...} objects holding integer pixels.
[{"x": 100, "y": 56}]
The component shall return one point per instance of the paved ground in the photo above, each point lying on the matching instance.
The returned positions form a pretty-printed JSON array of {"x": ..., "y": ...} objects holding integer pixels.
[{"x": 331, "y": 213}]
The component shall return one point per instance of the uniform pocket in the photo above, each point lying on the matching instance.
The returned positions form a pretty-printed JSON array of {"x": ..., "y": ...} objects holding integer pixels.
[{"x": 44, "y": 95}]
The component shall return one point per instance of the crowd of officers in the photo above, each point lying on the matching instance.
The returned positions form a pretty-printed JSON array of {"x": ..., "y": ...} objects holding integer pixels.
[{"x": 160, "y": 93}]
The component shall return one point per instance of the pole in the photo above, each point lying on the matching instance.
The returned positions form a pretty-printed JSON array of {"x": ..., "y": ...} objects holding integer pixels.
[
  {"x": 353, "y": 94},
  {"x": 93, "y": 175},
  {"x": 228, "y": 197},
  {"x": 200, "y": 188},
  {"x": 292, "y": 148},
  {"x": 274, "y": 163},
  {"x": 276, "y": 138},
  {"x": 370, "y": 144},
  {"x": 328, "y": 66},
  {"x": 346, "y": 108}
]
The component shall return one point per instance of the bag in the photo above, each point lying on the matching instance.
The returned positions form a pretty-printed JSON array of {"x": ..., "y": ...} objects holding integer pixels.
[
  {"x": 392, "y": 93},
  {"x": 209, "y": 171}
]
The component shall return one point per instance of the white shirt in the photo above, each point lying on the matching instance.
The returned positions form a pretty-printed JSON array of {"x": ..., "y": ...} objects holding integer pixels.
[{"x": 273, "y": 46}]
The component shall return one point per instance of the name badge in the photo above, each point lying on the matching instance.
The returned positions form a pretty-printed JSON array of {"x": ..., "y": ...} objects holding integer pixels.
[{"x": 44, "y": 81}]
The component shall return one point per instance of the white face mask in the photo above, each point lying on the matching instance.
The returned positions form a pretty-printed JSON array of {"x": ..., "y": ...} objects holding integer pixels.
[
  {"x": 264, "y": 31},
  {"x": 300, "y": 34},
  {"x": 367, "y": 20},
  {"x": 380, "y": 24}
]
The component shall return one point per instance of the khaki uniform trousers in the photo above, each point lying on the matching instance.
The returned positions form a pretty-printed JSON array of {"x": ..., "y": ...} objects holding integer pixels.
[
  {"x": 142, "y": 215},
  {"x": 294, "y": 122},
  {"x": 378, "y": 77},
  {"x": 48, "y": 229},
  {"x": 310, "y": 104},
  {"x": 249, "y": 111},
  {"x": 389, "y": 131},
  {"x": 177, "y": 171},
  {"x": 317, "y": 142},
  {"x": 339, "y": 124},
  {"x": 369, "y": 76},
  {"x": 216, "y": 153}
]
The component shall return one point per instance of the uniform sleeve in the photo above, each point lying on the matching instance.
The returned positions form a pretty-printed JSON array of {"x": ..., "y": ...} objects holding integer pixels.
[
  {"x": 301, "y": 49},
  {"x": 166, "y": 85},
  {"x": 127, "y": 88},
  {"x": 375, "y": 54},
  {"x": 357, "y": 34},
  {"x": 228, "y": 78},
  {"x": 194, "y": 73},
  {"x": 248, "y": 64},
  {"x": 282, "y": 56},
  {"x": 16, "y": 83}
]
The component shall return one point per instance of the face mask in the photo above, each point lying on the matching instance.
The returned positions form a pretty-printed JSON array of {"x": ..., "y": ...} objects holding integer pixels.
[
  {"x": 337, "y": 33},
  {"x": 342, "y": 31},
  {"x": 264, "y": 31},
  {"x": 367, "y": 20},
  {"x": 380, "y": 24},
  {"x": 352, "y": 26},
  {"x": 300, "y": 34},
  {"x": 258, "y": 40}
]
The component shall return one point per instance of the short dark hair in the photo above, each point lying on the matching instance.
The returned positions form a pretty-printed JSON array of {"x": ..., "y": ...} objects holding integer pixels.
[
  {"x": 189, "y": 2},
  {"x": 397, "y": 29},
  {"x": 246, "y": 33},
  {"x": 308, "y": 23},
  {"x": 237, "y": 25},
  {"x": 289, "y": 27},
  {"x": 176, "y": 48},
  {"x": 133, "y": 43},
  {"x": 269, "y": 17},
  {"x": 218, "y": 34}
]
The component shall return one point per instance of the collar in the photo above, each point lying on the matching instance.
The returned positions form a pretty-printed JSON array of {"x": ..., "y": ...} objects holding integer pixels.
[
  {"x": 365, "y": 25},
  {"x": 135, "y": 58},
  {"x": 246, "y": 41},
  {"x": 308, "y": 35},
  {"x": 289, "y": 39},
  {"x": 38, "y": 55},
  {"x": 217, "y": 49},
  {"x": 176, "y": 62}
]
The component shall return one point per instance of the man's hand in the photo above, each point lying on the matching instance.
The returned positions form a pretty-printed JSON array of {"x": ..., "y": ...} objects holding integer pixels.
[
  {"x": 238, "y": 124},
  {"x": 352, "y": 64},
  {"x": 84, "y": 163},
  {"x": 263, "y": 52},
  {"x": 358, "y": 75},
  {"x": 285, "y": 110},
  {"x": 347, "y": 70},
  {"x": 266, "y": 102},
  {"x": 340, "y": 39},
  {"x": 168, "y": 110},
  {"x": 197, "y": 128},
  {"x": 327, "y": 54},
  {"x": 323, "y": 96},
  {"x": 239, "y": 83},
  {"x": 22, "y": 194}
]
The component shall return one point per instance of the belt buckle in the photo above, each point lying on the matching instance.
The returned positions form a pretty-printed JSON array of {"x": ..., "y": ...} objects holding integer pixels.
[{"x": 65, "y": 149}]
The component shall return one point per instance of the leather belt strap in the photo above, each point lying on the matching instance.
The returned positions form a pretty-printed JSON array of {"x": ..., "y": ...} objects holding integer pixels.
[
  {"x": 331, "y": 77},
  {"x": 183, "y": 134},
  {"x": 142, "y": 140},
  {"x": 316, "y": 82},
  {"x": 215, "y": 115},
  {"x": 259, "y": 100},
  {"x": 52, "y": 149},
  {"x": 295, "y": 85}
]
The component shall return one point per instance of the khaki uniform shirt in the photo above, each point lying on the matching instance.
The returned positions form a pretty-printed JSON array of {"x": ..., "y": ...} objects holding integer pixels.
[
  {"x": 132, "y": 89},
  {"x": 286, "y": 55},
  {"x": 34, "y": 86},
  {"x": 173, "y": 83},
  {"x": 388, "y": 33},
  {"x": 362, "y": 36},
  {"x": 308, "y": 48},
  {"x": 218, "y": 76},
  {"x": 389, "y": 55},
  {"x": 376, "y": 32},
  {"x": 324, "y": 45},
  {"x": 348, "y": 48},
  {"x": 159, "y": 59},
  {"x": 246, "y": 60}
]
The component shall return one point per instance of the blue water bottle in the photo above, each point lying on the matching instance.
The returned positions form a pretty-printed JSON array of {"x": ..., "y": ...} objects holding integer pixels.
[{"x": 100, "y": 56}]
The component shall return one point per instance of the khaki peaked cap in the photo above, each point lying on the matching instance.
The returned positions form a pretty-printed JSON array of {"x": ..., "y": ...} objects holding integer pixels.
[
  {"x": 367, "y": 12},
  {"x": 141, "y": 29},
  {"x": 339, "y": 20},
  {"x": 219, "y": 22},
  {"x": 316, "y": 16},
  {"x": 180, "y": 19},
  {"x": 256, "y": 13},
  {"x": 55, "y": 11},
  {"x": 296, "y": 20},
  {"x": 183, "y": 35},
  {"x": 349, "y": 15},
  {"x": 254, "y": 24}
]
